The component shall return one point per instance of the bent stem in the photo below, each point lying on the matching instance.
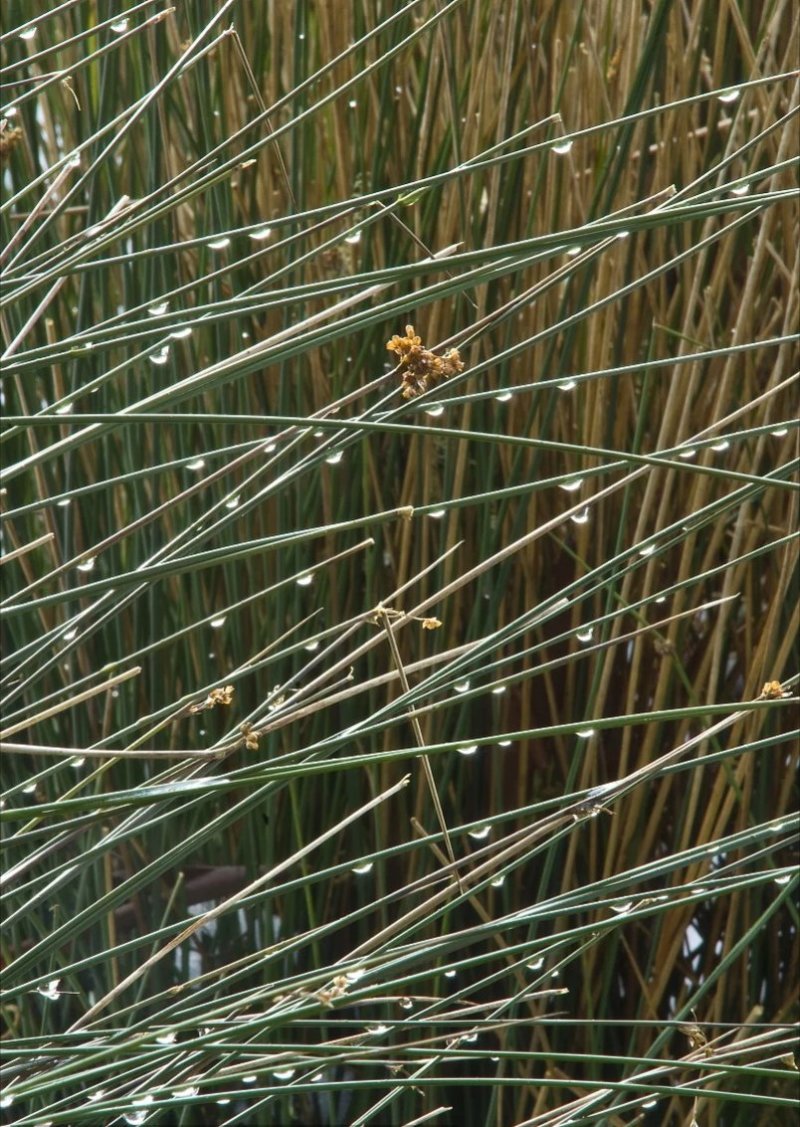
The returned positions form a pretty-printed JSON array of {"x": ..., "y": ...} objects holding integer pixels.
[{"x": 383, "y": 617}]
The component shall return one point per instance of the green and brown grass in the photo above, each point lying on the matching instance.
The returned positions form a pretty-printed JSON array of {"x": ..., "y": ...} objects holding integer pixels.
[{"x": 402, "y": 735}]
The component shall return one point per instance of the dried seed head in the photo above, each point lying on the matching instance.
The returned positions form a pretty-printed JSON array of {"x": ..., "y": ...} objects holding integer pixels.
[
  {"x": 773, "y": 690},
  {"x": 420, "y": 367},
  {"x": 215, "y": 697}
]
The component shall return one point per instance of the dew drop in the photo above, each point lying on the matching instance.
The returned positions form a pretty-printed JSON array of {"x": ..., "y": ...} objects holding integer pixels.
[
  {"x": 88, "y": 564},
  {"x": 568, "y": 385},
  {"x": 28, "y": 33},
  {"x": 622, "y": 909},
  {"x": 498, "y": 692},
  {"x": 157, "y": 310},
  {"x": 437, "y": 514},
  {"x": 77, "y": 762},
  {"x": 562, "y": 148},
  {"x": 647, "y": 550},
  {"x": 461, "y": 687},
  {"x": 118, "y": 26},
  {"x": 503, "y": 397},
  {"x": 718, "y": 447},
  {"x": 585, "y": 733},
  {"x": 283, "y": 1073},
  {"x": 585, "y": 635},
  {"x": 49, "y": 990},
  {"x": 480, "y": 834},
  {"x": 261, "y": 234},
  {"x": 352, "y": 103},
  {"x": 581, "y": 517},
  {"x": 183, "y": 1093},
  {"x": 504, "y": 743},
  {"x": 196, "y": 465},
  {"x": 406, "y": 1004},
  {"x": 537, "y": 964},
  {"x": 93, "y": 1097},
  {"x": 499, "y": 882},
  {"x": 135, "y": 1118},
  {"x": 741, "y": 190},
  {"x": 312, "y": 646},
  {"x": 305, "y": 580},
  {"x": 233, "y": 503},
  {"x": 571, "y": 486},
  {"x": 215, "y": 623},
  {"x": 687, "y": 455},
  {"x": 181, "y": 334},
  {"x": 335, "y": 459},
  {"x": 470, "y": 749},
  {"x": 223, "y": 1101},
  {"x": 729, "y": 96},
  {"x": 249, "y": 1079},
  {"x": 68, "y": 635},
  {"x": 219, "y": 244},
  {"x": 66, "y": 409},
  {"x": 780, "y": 432},
  {"x": 167, "y": 1038},
  {"x": 661, "y": 599},
  {"x": 449, "y": 974},
  {"x": 353, "y": 239},
  {"x": 355, "y": 974},
  {"x": 65, "y": 503},
  {"x": 573, "y": 252},
  {"x": 783, "y": 880},
  {"x": 362, "y": 870},
  {"x": 161, "y": 357},
  {"x": 436, "y": 411},
  {"x": 620, "y": 235}
]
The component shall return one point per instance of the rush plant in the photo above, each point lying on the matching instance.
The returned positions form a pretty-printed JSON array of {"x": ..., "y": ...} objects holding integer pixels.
[{"x": 399, "y": 575}]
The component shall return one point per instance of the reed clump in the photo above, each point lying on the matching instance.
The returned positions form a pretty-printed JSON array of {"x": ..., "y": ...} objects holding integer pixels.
[{"x": 399, "y": 730}]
